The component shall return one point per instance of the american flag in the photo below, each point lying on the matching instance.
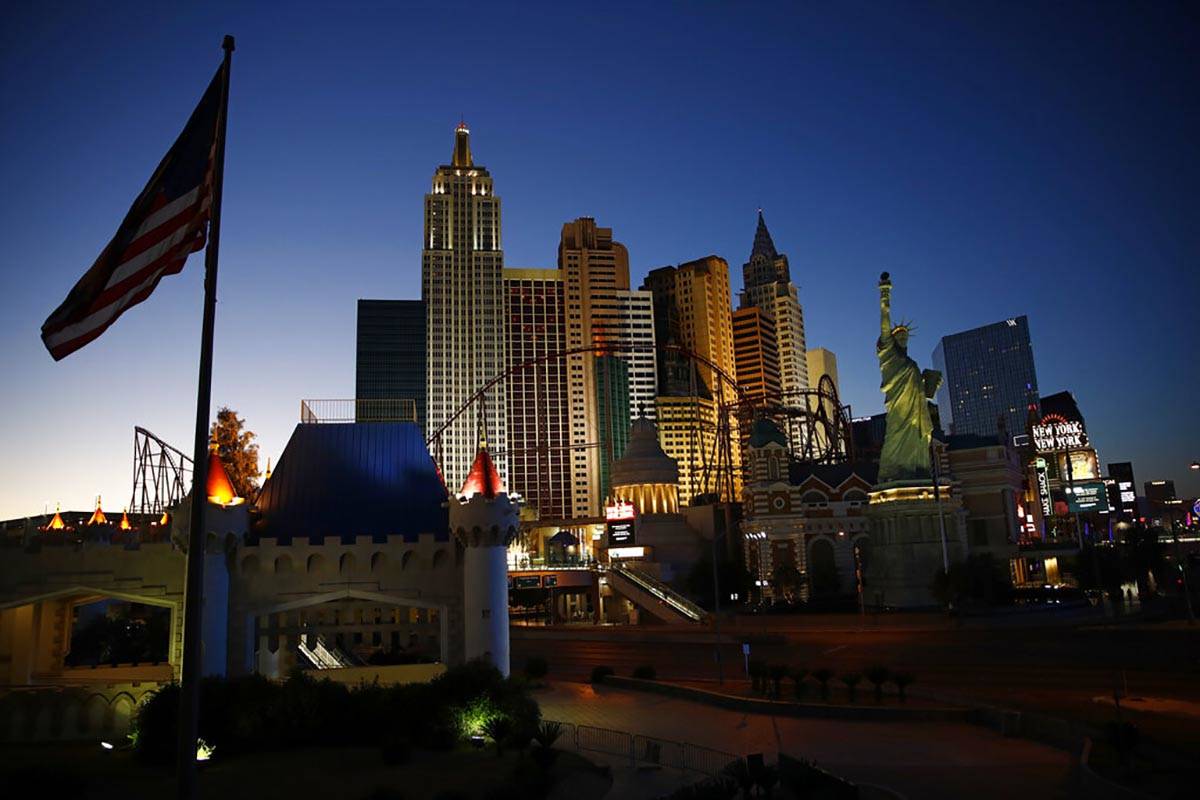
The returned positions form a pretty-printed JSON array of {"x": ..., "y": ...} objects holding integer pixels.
[{"x": 168, "y": 222}]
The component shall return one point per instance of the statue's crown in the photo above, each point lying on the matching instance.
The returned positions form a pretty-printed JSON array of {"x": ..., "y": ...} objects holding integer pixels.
[{"x": 905, "y": 326}]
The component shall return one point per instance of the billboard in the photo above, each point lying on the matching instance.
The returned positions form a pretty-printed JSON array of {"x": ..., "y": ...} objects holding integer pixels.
[
  {"x": 620, "y": 518},
  {"x": 1054, "y": 433},
  {"x": 1043, "y": 486},
  {"x": 1085, "y": 497},
  {"x": 1084, "y": 466}
]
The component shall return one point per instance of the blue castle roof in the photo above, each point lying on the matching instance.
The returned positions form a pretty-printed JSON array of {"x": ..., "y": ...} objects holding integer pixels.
[{"x": 359, "y": 479}]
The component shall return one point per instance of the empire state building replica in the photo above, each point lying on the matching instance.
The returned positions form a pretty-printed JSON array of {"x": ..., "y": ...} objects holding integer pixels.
[{"x": 462, "y": 288}]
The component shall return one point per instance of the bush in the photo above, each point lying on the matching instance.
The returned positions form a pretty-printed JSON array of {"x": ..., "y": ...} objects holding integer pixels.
[
  {"x": 548, "y": 733},
  {"x": 499, "y": 729},
  {"x": 644, "y": 672},
  {"x": 536, "y": 668},
  {"x": 601, "y": 672},
  {"x": 250, "y": 713},
  {"x": 395, "y": 751}
]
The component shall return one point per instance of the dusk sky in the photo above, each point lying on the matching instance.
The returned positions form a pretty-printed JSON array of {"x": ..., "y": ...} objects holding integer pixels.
[{"x": 996, "y": 160}]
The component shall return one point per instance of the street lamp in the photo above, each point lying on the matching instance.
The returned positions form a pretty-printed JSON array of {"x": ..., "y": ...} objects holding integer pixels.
[{"x": 1195, "y": 465}]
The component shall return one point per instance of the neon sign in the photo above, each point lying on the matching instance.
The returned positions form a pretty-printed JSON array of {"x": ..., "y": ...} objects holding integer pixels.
[{"x": 1054, "y": 433}]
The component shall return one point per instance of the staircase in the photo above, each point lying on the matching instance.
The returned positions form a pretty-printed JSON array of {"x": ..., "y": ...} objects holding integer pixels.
[
  {"x": 653, "y": 596},
  {"x": 323, "y": 657}
]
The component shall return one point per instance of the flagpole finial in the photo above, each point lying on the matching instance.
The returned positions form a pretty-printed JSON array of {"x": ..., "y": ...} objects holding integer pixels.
[{"x": 227, "y": 44}]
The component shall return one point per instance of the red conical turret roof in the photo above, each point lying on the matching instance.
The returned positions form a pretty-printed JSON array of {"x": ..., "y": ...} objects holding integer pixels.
[
  {"x": 483, "y": 478},
  {"x": 217, "y": 486}
]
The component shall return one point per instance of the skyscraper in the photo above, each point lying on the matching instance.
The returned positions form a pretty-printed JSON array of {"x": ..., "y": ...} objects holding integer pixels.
[
  {"x": 462, "y": 287},
  {"x": 692, "y": 309},
  {"x": 988, "y": 373},
  {"x": 595, "y": 274},
  {"x": 539, "y": 457},
  {"x": 389, "y": 361},
  {"x": 767, "y": 285},
  {"x": 612, "y": 414},
  {"x": 756, "y": 355}
]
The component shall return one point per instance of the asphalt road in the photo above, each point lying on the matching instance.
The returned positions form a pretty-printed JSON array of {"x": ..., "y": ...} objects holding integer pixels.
[{"x": 1048, "y": 664}]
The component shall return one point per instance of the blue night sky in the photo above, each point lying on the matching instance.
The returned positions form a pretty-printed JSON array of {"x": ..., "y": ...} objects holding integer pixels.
[{"x": 997, "y": 160}]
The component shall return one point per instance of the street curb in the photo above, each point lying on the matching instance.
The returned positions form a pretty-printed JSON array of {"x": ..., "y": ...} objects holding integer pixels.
[{"x": 790, "y": 709}]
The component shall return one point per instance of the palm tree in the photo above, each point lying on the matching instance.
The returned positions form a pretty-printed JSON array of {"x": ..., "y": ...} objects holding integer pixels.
[
  {"x": 498, "y": 730},
  {"x": 823, "y": 676},
  {"x": 798, "y": 675},
  {"x": 901, "y": 680},
  {"x": 777, "y": 672},
  {"x": 851, "y": 680},
  {"x": 878, "y": 675}
]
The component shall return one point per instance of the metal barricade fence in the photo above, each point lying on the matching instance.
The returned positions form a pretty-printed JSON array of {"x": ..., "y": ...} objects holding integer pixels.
[
  {"x": 704, "y": 760},
  {"x": 603, "y": 740},
  {"x": 683, "y": 756}
]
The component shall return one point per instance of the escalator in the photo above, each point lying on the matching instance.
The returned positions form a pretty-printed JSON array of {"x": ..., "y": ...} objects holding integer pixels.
[{"x": 653, "y": 596}]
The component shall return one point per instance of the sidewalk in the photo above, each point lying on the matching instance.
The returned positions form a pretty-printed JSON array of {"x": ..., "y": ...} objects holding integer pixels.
[{"x": 919, "y": 759}]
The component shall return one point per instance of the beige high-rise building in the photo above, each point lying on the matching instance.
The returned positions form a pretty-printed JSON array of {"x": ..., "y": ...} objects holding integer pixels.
[
  {"x": 823, "y": 362},
  {"x": 692, "y": 309},
  {"x": 595, "y": 274},
  {"x": 767, "y": 285},
  {"x": 462, "y": 287}
]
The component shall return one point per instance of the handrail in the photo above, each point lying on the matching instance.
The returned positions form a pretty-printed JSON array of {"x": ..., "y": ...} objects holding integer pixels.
[{"x": 660, "y": 590}]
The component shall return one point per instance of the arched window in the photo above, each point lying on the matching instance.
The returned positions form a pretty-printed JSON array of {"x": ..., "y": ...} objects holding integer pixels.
[
  {"x": 855, "y": 496},
  {"x": 346, "y": 565},
  {"x": 316, "y": 563},
  {"x": 813, "y": 497},
  {"x": 378, "y": 562},
  {"x": 822, "y": 568},
  {"x": 283, "y": 564}
]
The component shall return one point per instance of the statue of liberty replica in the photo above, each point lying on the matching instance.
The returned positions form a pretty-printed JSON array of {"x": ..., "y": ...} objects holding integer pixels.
[
  {"x": 906, "y": 391},
  {"x": 917, "y": 526}
]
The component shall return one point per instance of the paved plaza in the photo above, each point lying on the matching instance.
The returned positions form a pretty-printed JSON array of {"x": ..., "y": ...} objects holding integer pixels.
[{"x": 915, "y": 759}]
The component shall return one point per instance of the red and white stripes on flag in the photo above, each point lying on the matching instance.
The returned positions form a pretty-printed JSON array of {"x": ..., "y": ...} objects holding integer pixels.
[{"x": 167, "y": 222}]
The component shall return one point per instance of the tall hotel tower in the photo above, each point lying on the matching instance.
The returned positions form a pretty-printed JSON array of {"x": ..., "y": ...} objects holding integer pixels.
[
  {"x": 767, "y": 286},
  {"x": 462, "y": 287}
]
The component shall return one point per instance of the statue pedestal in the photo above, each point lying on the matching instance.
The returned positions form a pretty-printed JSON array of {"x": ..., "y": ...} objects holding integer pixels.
[{"x": 906, "y": 541}]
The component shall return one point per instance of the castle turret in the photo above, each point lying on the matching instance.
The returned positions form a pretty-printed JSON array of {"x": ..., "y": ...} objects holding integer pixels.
[{"x": 484, "y": 519}]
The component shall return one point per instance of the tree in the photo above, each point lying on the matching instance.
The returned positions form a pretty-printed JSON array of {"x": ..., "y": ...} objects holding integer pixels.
[{"x": 238, "y": 452}]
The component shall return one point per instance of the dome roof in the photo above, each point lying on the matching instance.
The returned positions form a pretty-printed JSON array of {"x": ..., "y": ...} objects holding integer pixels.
[
  {"x": 644, "y": 460},
  {"x": 764, "y": 431}
]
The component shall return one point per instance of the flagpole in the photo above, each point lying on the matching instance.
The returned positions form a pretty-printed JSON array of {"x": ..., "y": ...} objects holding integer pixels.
[{"x": 190, "y": 672}]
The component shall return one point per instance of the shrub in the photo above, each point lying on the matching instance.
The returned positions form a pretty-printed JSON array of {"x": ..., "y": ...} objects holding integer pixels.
[
  {"x": 384, "y": 793},
  {"x": 823, "y": 676},
  {"x": 250, "y": 713},
  {"x": 499, "y": 728},
  {"x": 395, "y": 751},
  {"x": 536, "y": 668},
  {"x": 645, "y": 672},
  {"x": 547, "y": 733},
  {"x": 878, "y": 675},
  {"x": 902, "y": 680},
  {"x": 798, "y": 674},
  {"x": 601, "y": 672},
  {"x": 851, "y": 679}
]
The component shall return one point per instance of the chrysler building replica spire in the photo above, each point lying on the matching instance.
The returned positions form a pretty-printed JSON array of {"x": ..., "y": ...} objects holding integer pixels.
[
  {"x": 462, "y": 287},
  {"x": 768, "y": 286}
]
